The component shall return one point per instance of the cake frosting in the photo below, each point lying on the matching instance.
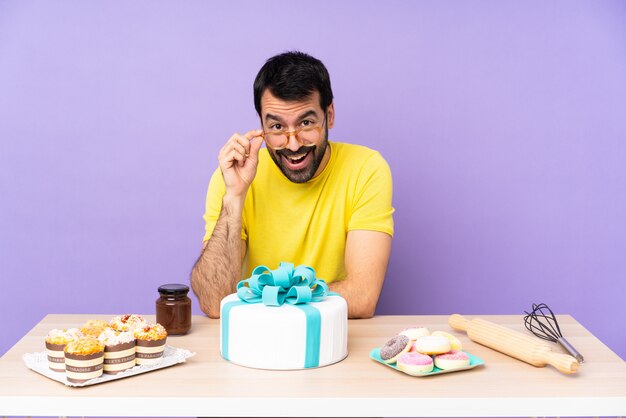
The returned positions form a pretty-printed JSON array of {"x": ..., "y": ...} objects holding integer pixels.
[
  {"x": 280, "y": 337},
  {"x": 283, "y": 319}
]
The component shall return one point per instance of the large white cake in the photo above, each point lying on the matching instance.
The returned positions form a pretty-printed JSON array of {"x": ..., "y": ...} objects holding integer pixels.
[{"x": 284, "y": 337}]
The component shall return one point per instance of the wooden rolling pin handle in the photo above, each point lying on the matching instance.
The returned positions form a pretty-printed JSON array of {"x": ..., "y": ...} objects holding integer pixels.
[
  {"x": 458, "y": 322},
  {"x": 562, "y": 362}
]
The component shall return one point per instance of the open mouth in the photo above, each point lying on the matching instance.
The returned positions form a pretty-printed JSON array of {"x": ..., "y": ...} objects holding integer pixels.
[{"x": 298, "y": 160}]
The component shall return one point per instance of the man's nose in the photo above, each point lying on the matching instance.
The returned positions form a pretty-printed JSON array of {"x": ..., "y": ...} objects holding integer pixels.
[{"x": 292, "y": 142}]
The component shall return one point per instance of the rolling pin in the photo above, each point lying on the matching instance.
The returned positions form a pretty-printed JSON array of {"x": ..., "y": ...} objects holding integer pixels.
[{"x": 512, "y": 343}]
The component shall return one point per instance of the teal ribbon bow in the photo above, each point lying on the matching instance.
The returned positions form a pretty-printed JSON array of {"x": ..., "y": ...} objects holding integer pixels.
[{"x": 285, "y": 284}]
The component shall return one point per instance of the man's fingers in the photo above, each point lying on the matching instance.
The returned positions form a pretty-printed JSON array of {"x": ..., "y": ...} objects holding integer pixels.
[
  {"x": 255, "y": 145},
  {"x": 237, "y": 142},
  {"x": 253, "y": 133},
  {"x": 239, "y": 157},
  {"x": 250, "y": 136},
  {"x": 240, "y": 147}
]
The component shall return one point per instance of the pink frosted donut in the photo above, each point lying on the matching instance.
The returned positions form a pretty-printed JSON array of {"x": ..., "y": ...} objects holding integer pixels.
[
  {"x": 394, "y": 347},
  {"x": 455, "y": 359},
  {"x": 415, "y": 363}
]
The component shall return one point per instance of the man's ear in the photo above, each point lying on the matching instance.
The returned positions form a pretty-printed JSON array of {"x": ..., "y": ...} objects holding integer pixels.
[{"x": 330, "y": 114}]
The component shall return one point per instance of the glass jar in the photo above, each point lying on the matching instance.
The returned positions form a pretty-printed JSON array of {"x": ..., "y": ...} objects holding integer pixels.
[{"x": 173, "y": 308}]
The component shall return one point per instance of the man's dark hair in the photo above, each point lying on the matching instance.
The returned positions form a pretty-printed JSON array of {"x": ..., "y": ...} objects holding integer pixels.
[{"x": 293, "y": 76}]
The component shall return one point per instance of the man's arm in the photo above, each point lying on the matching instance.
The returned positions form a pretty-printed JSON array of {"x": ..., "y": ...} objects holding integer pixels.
[
  {"x": 366, "y": 258},
  {"x": 219, "y": 266}
]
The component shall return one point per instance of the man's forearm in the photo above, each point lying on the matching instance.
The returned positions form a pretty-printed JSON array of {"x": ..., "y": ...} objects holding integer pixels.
[
  {"x": 361, "y": 302},
  {"x": 219, "y": 266},
  {"x": 367, "y": 255}
]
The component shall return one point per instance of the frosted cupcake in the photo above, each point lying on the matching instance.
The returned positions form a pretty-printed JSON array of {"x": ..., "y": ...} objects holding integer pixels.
[
  {"x": 94, "y": 327},
  {"x": 83, "y": 359},
  {"x": 119, "y": 350},
  {"x": 56, "y": 340},
  {"x": 127, "y": 322},
  {"x": 150, "y": 341}
]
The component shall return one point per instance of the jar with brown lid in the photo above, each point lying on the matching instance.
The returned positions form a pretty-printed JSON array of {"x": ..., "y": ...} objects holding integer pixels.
[{"x": 173, "y": 308}]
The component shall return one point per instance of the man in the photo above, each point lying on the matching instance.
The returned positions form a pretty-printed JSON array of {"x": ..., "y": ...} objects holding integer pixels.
[{"x": 302, "y": 199}]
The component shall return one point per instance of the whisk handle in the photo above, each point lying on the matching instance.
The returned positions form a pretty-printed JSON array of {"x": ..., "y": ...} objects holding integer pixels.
[{"x": 570, "y": 349}]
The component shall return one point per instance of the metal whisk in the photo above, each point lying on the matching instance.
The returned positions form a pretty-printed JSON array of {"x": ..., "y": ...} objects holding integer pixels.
[{"x": 542, "y": 322}]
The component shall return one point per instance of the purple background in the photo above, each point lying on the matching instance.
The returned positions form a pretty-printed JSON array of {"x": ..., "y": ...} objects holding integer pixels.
[{"x": 504, "y": 124}]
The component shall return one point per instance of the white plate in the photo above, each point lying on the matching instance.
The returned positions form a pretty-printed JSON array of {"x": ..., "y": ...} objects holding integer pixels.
[{"x": 38, "y": 362}]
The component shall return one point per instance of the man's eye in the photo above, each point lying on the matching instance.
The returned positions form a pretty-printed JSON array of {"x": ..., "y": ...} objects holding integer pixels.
[
  {"x": 276, "y": 127},
  {"x": 307, "y": 122}
]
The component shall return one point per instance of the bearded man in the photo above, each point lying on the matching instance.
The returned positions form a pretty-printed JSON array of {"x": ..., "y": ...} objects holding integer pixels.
[{"x": 302, "y": 199}]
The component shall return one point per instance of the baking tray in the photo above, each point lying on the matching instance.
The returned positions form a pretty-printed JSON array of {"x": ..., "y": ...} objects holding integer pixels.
[{"x": 38, "y": 362}]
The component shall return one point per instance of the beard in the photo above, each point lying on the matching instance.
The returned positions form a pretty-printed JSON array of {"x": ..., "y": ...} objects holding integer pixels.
[{"x": 314, "y": 156}]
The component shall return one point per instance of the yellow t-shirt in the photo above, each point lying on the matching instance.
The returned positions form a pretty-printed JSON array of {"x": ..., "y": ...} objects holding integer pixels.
[{"x": 307, "y": 223}]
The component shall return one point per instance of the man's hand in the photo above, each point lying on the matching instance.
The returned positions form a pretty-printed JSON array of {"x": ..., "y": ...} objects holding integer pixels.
[{"x": 238, "y": 160}]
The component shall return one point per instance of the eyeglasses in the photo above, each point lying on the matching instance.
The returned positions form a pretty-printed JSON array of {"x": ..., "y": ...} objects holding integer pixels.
[{"x": 307, "y": 136}]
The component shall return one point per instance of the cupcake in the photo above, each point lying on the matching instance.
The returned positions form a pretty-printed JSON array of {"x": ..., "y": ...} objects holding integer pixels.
[
  {"x": 93, "y": 328},
  {"x": 127, "y": 322},
  {"x": 119, "y": 350},
  {"x": 150, "y": 341},
  {"x": 56, "y": 340},
  {"x": 83, "y": 359}
]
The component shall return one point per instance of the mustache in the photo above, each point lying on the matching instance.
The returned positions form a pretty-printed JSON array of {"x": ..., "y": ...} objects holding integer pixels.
[{"x": 288, "y": 153}]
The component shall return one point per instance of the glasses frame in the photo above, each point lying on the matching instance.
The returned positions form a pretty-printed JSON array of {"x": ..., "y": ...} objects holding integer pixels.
[{"x": 295, "y": 133}]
